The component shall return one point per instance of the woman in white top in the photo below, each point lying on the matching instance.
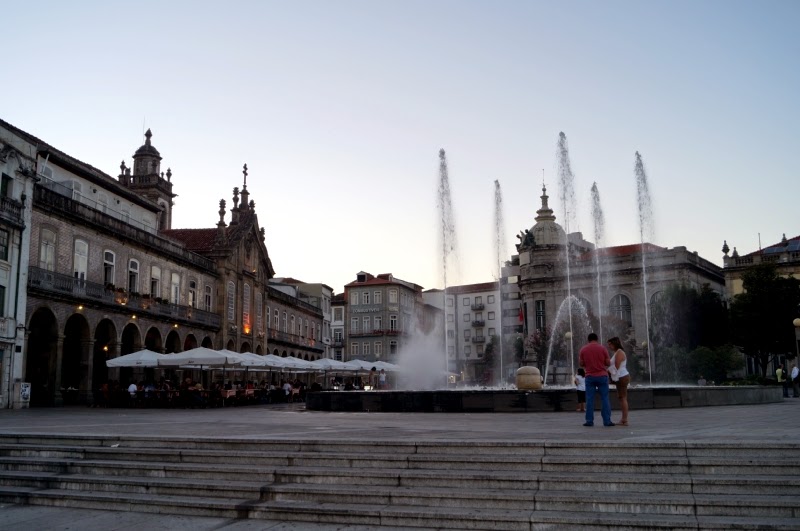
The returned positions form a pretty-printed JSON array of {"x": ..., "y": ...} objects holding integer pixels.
[{"x": 620, "y": 375}]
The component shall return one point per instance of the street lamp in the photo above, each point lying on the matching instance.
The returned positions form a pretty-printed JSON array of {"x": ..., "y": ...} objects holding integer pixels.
[{"x": 796, "y": 324}]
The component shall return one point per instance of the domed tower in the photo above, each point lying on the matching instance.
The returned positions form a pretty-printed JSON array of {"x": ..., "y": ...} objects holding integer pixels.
[{"x": 149, "y": 181}]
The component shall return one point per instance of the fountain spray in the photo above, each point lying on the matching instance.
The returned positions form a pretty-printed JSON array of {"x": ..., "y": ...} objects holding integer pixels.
[
  {"x": 566, "y": 181},
  {"x": 599, "y": 234},
  {"x": 500, "y": 250},
  {"x": 646, "y": 232},
  {"x": 448, "y": 233}
]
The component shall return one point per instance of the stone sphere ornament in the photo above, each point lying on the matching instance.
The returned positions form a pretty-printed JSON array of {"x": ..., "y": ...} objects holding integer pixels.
[{"x": 529, "y": 378}]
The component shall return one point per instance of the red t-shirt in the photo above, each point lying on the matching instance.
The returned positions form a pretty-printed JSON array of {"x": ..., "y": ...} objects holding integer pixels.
[{"x": 594, "y": 359}]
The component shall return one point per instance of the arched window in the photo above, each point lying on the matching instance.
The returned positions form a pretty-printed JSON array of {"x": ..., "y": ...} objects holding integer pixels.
[
  {"x": 291, "y": 320},
  {"x": 656, "y": 298},
  {"x": 268, "y": 318},
  {"x": 208, "y": 298},
  {"x": 109, "y": 262},
  {"x": 175, "y": 288},
  {"x": 620, "y": 307},
  {"x": 47, "y": 250},
  {"x": 231, "y": 299},
  {"x": 284, "y": 322},
  {"x": 133, "y": 276},
  {"x": 246, "y": 308},
  {"x": 193, "y": 293},
  {"x": 587, "y": 306}
]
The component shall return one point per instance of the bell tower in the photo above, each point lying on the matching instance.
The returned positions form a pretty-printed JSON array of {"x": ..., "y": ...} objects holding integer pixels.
[{"x": 149, "y": 181}]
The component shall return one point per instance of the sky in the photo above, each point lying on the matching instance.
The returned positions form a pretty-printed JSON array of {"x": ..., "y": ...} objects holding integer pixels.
[{"x": 339, "y": 109}]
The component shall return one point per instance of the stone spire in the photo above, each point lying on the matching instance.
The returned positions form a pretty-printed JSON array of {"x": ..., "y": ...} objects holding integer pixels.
[
  {"x": 245, "y": 193},
  {"x": 221, "y": 222},
  {"x": 545, "y": 213},
  {"x": 235, "y": 209}
]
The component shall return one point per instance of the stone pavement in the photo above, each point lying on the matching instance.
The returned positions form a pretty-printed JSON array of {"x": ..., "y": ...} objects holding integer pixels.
[{"x": 768, "y": 423}]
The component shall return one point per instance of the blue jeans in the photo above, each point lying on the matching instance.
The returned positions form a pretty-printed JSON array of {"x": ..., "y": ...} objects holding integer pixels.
[{"x": 597, "y": 384}]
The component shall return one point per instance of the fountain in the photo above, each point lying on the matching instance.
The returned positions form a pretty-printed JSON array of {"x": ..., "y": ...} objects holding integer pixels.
[
  {"x": 500, "y": 253},
  {"x": 578, "y": 323},
  {"x": 599, "y": 241}
]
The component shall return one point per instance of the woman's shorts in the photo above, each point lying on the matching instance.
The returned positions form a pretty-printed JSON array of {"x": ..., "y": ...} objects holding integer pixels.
[{"x": 622, "y": 386}]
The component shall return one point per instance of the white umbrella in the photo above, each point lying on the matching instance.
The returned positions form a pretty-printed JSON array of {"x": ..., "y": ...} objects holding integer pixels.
[
  {"x": 202, "y": 356},
  {"x": 388, "y": 367},
  {"x": 143, "y": 358},
  {"x": 361, "y": 365},
  {"x": 327, "y": 364},
  {"x": 284, "y": 363}
]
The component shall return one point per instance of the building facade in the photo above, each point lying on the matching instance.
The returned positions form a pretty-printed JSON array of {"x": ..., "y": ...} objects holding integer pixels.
[{"x": 473, "y": 317}]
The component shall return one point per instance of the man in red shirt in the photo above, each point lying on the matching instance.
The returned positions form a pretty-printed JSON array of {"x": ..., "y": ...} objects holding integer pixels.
[{"x": 595, "y": 360}]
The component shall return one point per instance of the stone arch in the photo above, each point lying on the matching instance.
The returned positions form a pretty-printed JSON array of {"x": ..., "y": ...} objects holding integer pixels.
[
  {"x": 42, "y": 356},
  {"x": 231, "y": 345},
  {"x": 131, "y": 341},
  {"x": 152, "y": 340},
  {"x": 620, "y": 307},
  {"x": 245, "y": 347},
  {"x": 283, "y": 355},
  {"x": 75, "y": 355},
  {"x": 190, "y": 342},
  {"x": 259, "y": 350},
  {"x": 172, "y": 343},
  {"x": 105, "y": 346},
  {"x": 276, "y": 353},
  {"x": 207, "y": 342}
]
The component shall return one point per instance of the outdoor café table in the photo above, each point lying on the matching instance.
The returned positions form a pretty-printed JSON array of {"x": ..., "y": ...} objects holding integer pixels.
[{"x": 227, "y": 395}]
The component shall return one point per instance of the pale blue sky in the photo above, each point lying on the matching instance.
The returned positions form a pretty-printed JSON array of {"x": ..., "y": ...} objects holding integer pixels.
[{"x": 339, "y": 110}]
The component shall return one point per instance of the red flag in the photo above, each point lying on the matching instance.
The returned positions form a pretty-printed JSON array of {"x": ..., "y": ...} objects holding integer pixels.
[{"x": 521, "y": 316}]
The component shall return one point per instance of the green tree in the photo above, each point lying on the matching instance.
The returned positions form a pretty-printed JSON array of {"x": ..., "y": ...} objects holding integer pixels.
[
  {"x": 714, "y": 364},
  {"x": 761, "y": 316}
]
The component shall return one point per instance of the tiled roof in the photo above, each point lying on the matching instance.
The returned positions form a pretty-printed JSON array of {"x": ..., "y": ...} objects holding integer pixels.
[
  {"x": 472, "y": 288},
  {"x": 791, "y": 244},
  {"x": 193, "y": 239},
  {"x": 623, "y": 250}
]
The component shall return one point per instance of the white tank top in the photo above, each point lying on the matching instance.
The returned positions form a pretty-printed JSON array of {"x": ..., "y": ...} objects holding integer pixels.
[{"x": 623, "y": 367}]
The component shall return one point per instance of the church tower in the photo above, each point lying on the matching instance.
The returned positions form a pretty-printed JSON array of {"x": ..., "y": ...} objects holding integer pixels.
[{"x": 149, "y": 181}]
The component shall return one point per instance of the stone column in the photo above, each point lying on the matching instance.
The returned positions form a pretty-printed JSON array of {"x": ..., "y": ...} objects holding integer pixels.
[
  {"x": 87, "y": 372},
  {"x": 56, "y": 391}
]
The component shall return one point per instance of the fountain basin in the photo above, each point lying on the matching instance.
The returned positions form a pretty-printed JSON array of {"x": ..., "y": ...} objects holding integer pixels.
[{"x": 515, "y": 401}]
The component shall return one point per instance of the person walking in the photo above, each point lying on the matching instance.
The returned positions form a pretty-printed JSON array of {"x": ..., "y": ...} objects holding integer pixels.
[
  {"x": 796, "y": 381},
  {"x": 781, "y": 376},
  {"x": 595, "y": 361},
  {"x": 621, "y": 376}
]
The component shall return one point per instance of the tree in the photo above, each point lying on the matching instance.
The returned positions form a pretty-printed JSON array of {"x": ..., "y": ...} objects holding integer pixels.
[{"x": 761, "y": 317}]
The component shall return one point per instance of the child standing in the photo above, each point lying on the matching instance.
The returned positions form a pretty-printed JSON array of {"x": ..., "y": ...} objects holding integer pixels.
[{"x": 580, "y": 386}]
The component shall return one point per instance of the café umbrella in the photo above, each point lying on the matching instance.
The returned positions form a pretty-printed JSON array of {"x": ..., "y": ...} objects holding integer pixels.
[
  {"x": 200, "y": 356},
  {"x": 142, "y": 358}
]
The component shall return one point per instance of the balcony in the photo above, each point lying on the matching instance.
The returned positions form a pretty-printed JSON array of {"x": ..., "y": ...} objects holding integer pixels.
[
  {"x": 293, "y": 340},
  {"x": 11, "y": 212},
  {"x": 58, "y": 285},
  {"x": 478, "y": 306},
  {"x": 58, "y": 204},
  {"x": 478, "y": 323},
  {"x": 479, "y": 339}
]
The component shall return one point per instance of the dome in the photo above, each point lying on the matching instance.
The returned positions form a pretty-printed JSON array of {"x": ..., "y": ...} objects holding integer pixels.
[
  {"x": 546, "y": 231},
  {"x": 147, "y": 149}
]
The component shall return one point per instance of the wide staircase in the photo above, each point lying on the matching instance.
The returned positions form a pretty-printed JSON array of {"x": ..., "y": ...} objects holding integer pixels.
[{"x": 430, "y": 485}]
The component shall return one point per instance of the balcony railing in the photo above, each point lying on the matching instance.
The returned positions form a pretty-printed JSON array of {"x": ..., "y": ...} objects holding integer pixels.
[
  {"x": 478, "y": 323},
  {"x": 478, "y": 306},
  {"x": 84, "y": 290},
  {"x": 11, "y": 211},
  {"x": 294, "y": 339},
  {"x": 479, "y": 339}
]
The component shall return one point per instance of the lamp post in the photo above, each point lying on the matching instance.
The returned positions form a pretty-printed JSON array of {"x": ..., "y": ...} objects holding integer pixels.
[{"x": 796, "y": 324}]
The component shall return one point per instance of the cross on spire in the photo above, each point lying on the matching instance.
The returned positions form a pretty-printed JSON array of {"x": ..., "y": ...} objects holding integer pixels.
[{"x": 244, "y": 171}]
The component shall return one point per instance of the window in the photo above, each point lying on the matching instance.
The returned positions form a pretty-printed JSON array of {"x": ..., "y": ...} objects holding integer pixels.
[
  {"x": 467, "y": 351},
  {"x": 365, "y": 349},
  {"x": 77, "y": 188},
  {"x": 450, "y": 318},
  {"x": 246, "y": 308},
  {"x": 47, "y": 250},
  {"x": 467, "y": 335},
  {"x": 269, "y": 317},
  {"x": 491, "y": 316},
  {"x": 7, "y": 186},
  {"x": 365, "y": 297},
  {"x": 451, "y": 334},
  {"x": 338, "y": 314},
  {"x": 451, "y": 351},
  {"x": 175, "y": 288},
  {"x": 108, "y": 267},
  {"x": 392, "y": 347},
  {"x": 354, "y": 325},
  {"x": 193, "y": 293},
  {"x": 155, "y": 281},
  {"x": 80, "y": 262},
  {"x": 285, "y": 323},
  {"x": 478, "y": 300},
  {"x": 230, "y": 300},
  {"x": 133, "y": 276},
  {"x": 479, "y": 350},
  {"x": 620, "y": 307},
  {"x": 353, "y": 350},
  {"x": 208, "y": 298},
  {"x": 541, "y": 318},
  {"x": 465, "y": 301},
  {"x": 2, "y": 300},
  {"x": 378, "y": 322},
  {"x": 353, "y": 298},
  {"x": 392, "y": 296},
  {"x": 466, "y": 318},
  {"x": 378, "y": 349},
  {"x": 479, "y": 316},
  {"x": 378, "y": 297},
  {"x": 291, "y": 326},
  {"x": 3, "y": 245},
  {"x": 367, "y": 327},
  {"x": 276, "y": 320},
  {"x": 306, "y": 327},
  {"x": 260, "y": 313},
  {"x": 392, "y": 322},
  {"x": 490, "y": 299},
  {"x": 337, "y": 335},
  {"x": 449, "y": 302},
  {"x": 102, "y": 203}
]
